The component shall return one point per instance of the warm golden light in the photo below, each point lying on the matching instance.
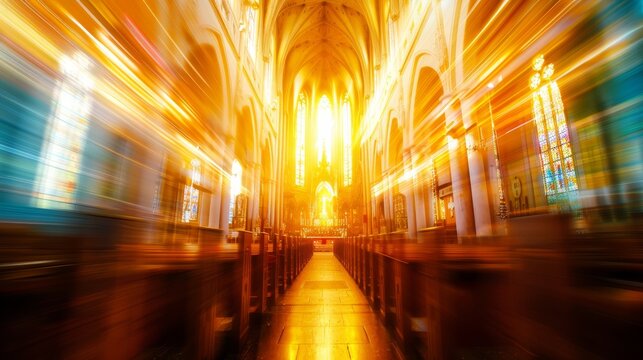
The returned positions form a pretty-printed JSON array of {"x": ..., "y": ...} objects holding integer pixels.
[
  {"x": 348, "y": 142},
  {"x": 325, "y": 125},
  {"x": 558, "y": 170},
  {"x": 303, "y": 179},
  {"x": 300, "y": 151},
  {"x": 235, "y": 187},
  {"x": 538, "y": 62},
  {"x": 324, "y": 205},
  {"x": 191, "y": 193},
  {"x": 63, "y": 152}
]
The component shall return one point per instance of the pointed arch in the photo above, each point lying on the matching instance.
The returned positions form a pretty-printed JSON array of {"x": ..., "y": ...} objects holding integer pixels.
[
  {"x": 244, "y": 147},
  {"x": 204, "y": 79},
  {"x": 425, "y": 78}
]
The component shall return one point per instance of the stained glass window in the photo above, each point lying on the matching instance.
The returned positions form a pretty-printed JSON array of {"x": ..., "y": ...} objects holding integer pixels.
[
  {"x": 558, "y": 170},
  {"x": 348, "y": 153},
  {"x": 239, "y": 215},
  {"x": 300, "y": 155},
  {"x": 399, "y": 205},
  {"x": 191, "y": 193},
  {"x": 62, "y": 153},
  {"x": 235, "y": 187}
]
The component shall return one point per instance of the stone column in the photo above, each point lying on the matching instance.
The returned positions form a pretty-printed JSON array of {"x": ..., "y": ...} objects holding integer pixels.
[
  {"x": 225, "y": 204},
  {"x": 215, "y": 204},
  {"x": 409, "y": 193},
  {"x": 280, "y": 168},
  {"x": 479, "y": 185},
  {"x": 387, "y": 195},
  {"x": 465, "y": 224},
  {"x": 366, "y": 193},
  {"x": 225, "y": 184},
  {"x": 256, "y": 187},
  {"x": 418, "y": 199},
  {"x": 459, "y": 164},
  {"x": 272, "y": 192}
]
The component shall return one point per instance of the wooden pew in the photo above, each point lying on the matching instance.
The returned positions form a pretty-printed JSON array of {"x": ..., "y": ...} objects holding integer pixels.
[
  {"x": 276, "y": 267},
  {"x": 244, "y": 291},
  {"x": 260, "y": 274},
  {"x": 283, "y": 263}
]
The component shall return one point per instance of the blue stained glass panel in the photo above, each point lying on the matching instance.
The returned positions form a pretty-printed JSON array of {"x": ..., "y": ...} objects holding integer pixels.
[
  {"x": 550, "y": 185},
  {"x": 560, "y": 180}
]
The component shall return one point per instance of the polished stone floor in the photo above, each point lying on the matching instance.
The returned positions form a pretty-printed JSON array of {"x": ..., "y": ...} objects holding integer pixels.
[{"x": 324, "y": 315}]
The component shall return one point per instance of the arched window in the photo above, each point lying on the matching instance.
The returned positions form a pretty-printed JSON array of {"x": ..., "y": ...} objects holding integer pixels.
[
  {"x": 324, "y": 129},
  {"x": 300, "y": 155},
  {"x": 235, "y": 187},
  {"x": 348, "y": 153},
  {"x": 558, "y": 170},
  {"x": 251, "y": 18}
]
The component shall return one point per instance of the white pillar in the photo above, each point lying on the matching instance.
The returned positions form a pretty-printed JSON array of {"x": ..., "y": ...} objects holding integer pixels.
[
  {"x": 253, "y": 206},
  {"x": 418, "y": 190},
  {"x": 409, "y": 194},
  {"x": 465, "y": 224},
  {"x": 215, "y": 204},
  {"x": 225, "y": 186},
  {"x": 479, "y": 184}
]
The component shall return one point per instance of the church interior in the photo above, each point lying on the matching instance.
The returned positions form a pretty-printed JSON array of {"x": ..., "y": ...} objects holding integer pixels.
[{"x": 321, "y": 179}]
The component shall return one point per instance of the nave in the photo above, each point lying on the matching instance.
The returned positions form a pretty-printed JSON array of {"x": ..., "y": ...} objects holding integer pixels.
[
  {"x": 324, "y": 315},
  {"x": 175, "y": 174}
]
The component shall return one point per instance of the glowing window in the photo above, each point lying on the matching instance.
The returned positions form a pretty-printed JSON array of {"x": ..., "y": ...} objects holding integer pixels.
[
  {"x": 251, "y": 18},
  {"x": 191, "y": 193},
  {"x": 324, "y": 129},
  {"x": 324, "y": 205},
  {"x": 559, "y": 174},
  {"x": 62, "y": 153},
  {"x": 348, "y": 153},
  {"x": 399, "y": 206},
  {"x": 235, "y": 187},
  {"x": 437, "y": 208},
  {"x": 300, "y": 156}
]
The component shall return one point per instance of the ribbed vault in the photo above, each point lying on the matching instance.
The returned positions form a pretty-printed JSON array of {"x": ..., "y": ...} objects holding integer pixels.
[{"x": 323, "y": 45}]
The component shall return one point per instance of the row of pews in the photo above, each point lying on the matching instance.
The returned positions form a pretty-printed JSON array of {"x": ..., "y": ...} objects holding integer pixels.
[
  {"x": 113, "y": 287},
  {"x": 539, "y": 292}
]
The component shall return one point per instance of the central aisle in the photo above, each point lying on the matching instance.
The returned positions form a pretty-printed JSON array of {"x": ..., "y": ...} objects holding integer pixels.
[{"x": 324, "y": 316}]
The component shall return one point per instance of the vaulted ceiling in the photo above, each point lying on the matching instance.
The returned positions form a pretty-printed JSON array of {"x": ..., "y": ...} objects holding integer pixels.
[{"x": 323, "y": 44}]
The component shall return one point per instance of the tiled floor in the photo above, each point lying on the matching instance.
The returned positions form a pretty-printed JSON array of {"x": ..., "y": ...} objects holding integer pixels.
[{"x": 324, "y": 316}]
